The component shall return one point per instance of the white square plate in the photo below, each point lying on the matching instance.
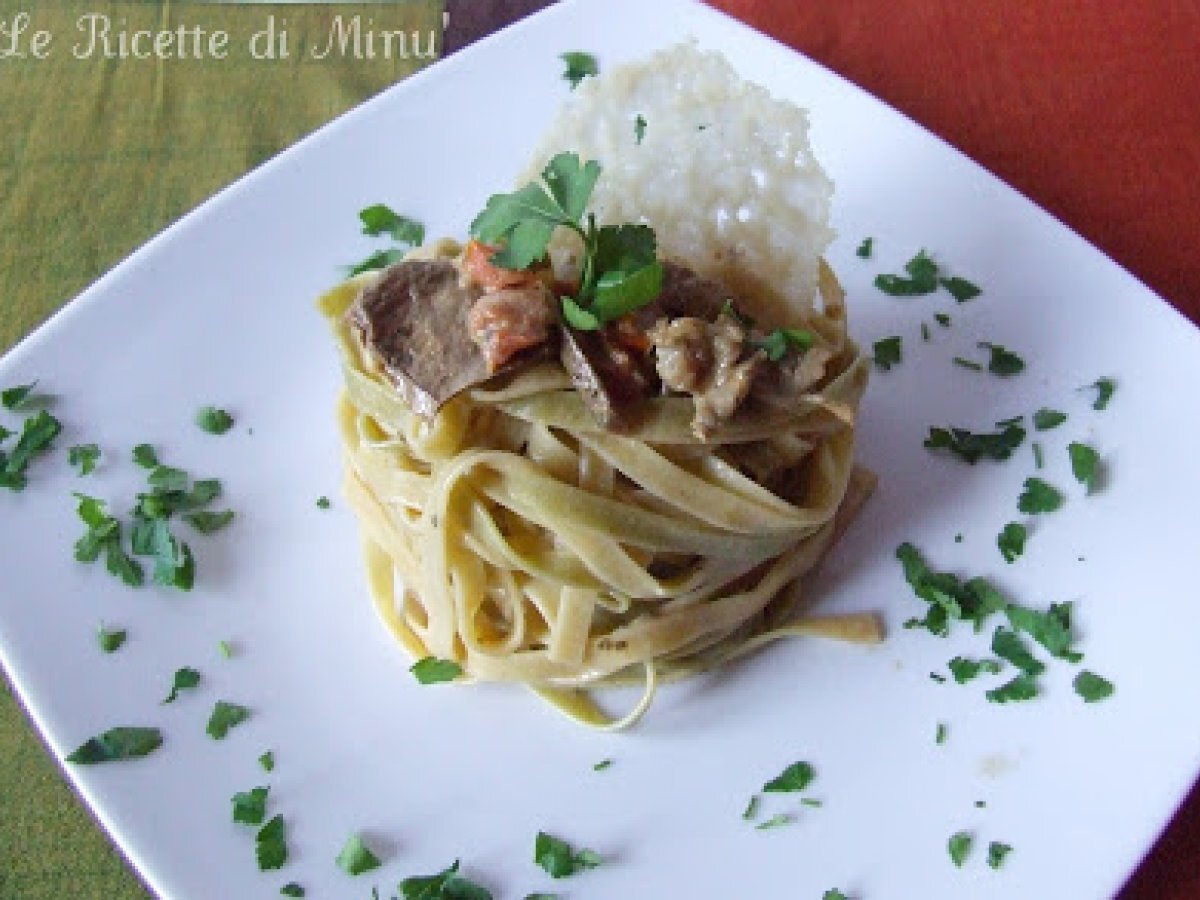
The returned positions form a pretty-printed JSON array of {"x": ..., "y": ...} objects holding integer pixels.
[{"x": 219, "y": 310}]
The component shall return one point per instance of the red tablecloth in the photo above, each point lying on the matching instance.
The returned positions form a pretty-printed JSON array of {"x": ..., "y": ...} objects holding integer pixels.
[{"x": 1090, "y": 109}]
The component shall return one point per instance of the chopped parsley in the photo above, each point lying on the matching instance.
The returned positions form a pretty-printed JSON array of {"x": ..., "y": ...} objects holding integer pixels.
[
  {"x": 795, "y": 777},
  {"x": 224, "y": 717},
  {"x": 776, "y": 821},
  {"x": 37, "y": 434},
  {"x": 1039, "y": 461},
  {"x": 778, "y": 342},
  {"x": 356, "y": 857},
  {"x": 122, "y": 742},
  {"x": 996, "y": 854},
  {"x": 1008, "y": 645},
  {"x": 14, "y": 398},
  {"x": 811, "y": 802},
  {"x": 967, "y": 364},
  {"x": 380, "y": 259},
  {"x": 213, "y": 420},
  {"x": 379, "y": 220},
  {"x": 1011, "y": 541},
  {"x": 85, "y": 456},
  {"x": 250, "y": 807},
  {"x": 1051, "y": 629},
  {"x": 751, "y": 811},
  {"x": 225, "y": 648},
  {"x": 936, "y": 677},
  {"x": 1003, "y": 361},
  {"x": 1039, "y": 497},
  {"x": 207, "y": 522},
  {"x": 970, "y": 446},
  {"x": 1045, "y": 419},
  {"x": 834, "y": 894},
  {"x": 959, "y": 846},
  {"x": 965, "y": 670},
  {"x": 432, "y": 670},
  {"x": 948, "y": 598},
  {"x": 104, "y": 536},
  {"x": 270, "y": 845},
  {"x": 887, "y": 352},
  {"x": 323, "y": 503},
  {"x": 865, "y": 248},
  {"x": 291, "y": 889},
  {"x": 922, "y": 278},
  {"x": 639, "y": 128},
  {"x": 602, "y": 765},
  {"x": 267, "y": 761},
  {"x": 1021, "y": 688},
  {"x": 144, "y": 456},
  {"x": 961, "y": 289},
  {"x": 1085, "y": 464},
  {"x": 110, "y": 640},
  {"x": 446, "y": 885},
  {"x": 579, "y": 66},
  {"x": 559, "y": 859},
  {"x": 942, "y": 319},
  {"x": 941, "y": 733},
  {"x": 1092, "y": 687},
  {"x": 185, "y": 679},
  {"x": 1105, "y": 388}
]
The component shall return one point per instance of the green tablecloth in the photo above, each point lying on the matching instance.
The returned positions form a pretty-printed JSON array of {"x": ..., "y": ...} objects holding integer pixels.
[{"x": 97, "y": 154}]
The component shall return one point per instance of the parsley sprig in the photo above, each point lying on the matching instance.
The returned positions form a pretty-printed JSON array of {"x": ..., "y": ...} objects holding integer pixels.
[{"x": 620, "y": 270}]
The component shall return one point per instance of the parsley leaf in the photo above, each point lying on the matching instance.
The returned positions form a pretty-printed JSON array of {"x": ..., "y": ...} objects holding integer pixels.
[
  {"x": 1012, "y": 541},
  {"x": 122, "y": 742},
  {"x": 777, "y": 344},
  {"x": 104, "y": 535},
  {"x": 209, "y": 522},
  {"x": 1021, "y": 688},
  {"x": 1038, "y": 461},
  {"x": 1092, "y": 687},
  {"x": 961, "y": 289},
  {"x": 923, "y": 278},
  {"x": 250, "y": 807},
  {"x": 924, "y": 332},
  {"x": 226, "y": 649},
  {"x": 1045, "y": 419},
  {"x": 110, "y": 641},
  {"x": 185, "y": 679},
  {"x": 224, "y": 717},
  {"x": 602, "y": 765},
  {"x": 887, "y": 352},
  {"x": 942, "y": 319},
  {"x": 85, "y": 457},
  {"x": 380, "y": 219},
  {"x": 37, "y": 434},
  {"x": 213, "y": 420},
  {"x": 446, "y": 885},
  {"x": 965, "y": 670},
  {"x": 579, "y": 66},
  {"x": 323, "y": 503},
  {"x": 865, "y": 248},
  {"x": 1085, "y": 464},
  {"x": 970, "y": 447},
  {"x": 967, "y": 364},
  {"x": 834, "y": 894},
  {"x": 267, "y": 761},
  {"x": 1105, "y": 388},
  {"x": 356, "y": 857},
  {"x": 751, "y": 811},
  {"x": 270, "y": 845},
  {"x": 291, "y": 889},
  {"x": 959, "y": 846},
  {"x": 1039, "y": 497},
  {"x": 380, "y": 259},
  {"x": 996, "y": 853},
  {"x": 639, "y": 128},
  {"x": 559, "y": 859},
  {"x": 1008, "y": 646},
  {"x": 940, "y": 735},
  {"x": 1003, "y": 361},
  {"x": 795, "y": 777},
  {"x": 776, "y": 821},
  {"x": 14, "y": 398},
  {"x": 1051, "y": 629},
  {"x": 144, "y": 456},
  {"x": 432, "y": 670}
]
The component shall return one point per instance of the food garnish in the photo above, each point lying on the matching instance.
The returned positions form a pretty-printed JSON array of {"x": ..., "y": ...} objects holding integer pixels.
[
  {"x": 122, "y": 742},
  {"x": 185, "y": 679},
  {"x": 559, "y": 859},
  {"x": 356, "y": 857},
  {"x": 579, "y": 66},
  {"x": 225, "y": 716}
]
